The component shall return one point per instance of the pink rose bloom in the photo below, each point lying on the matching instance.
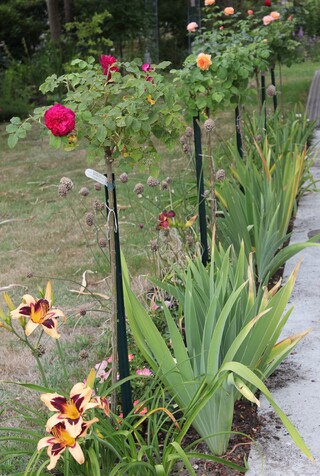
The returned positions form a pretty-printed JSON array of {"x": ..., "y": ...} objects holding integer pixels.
[
  {"x": 60, "y": 120},
  {"x": 146, "y": 67},
  {"x": 228, "y": 11},
  {"x": 108, "y": 64},
  {"x": 275, "y": 15},
  {"x": 267, "y": 19},
  {"x": 250, "y": 12},
  {"x": 144, "y": 371},
  {"x": 192, "y": 27}
]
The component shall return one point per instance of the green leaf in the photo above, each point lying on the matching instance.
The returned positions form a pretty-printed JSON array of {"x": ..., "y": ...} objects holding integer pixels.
[{"x": 12, "y": 141}]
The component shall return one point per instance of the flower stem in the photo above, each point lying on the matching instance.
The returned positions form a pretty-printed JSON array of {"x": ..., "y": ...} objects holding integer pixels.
[
  {"x": 43, "y": 376},
  {"x": 61, "y": 356}
]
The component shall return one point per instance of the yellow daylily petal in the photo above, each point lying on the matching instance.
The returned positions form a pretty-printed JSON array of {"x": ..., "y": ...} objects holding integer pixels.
[
  {"x": 48, "y": 398},
  {"x": 53, "y": 458},
  {"x": 30, "y": 327},
  {"x": 77, "y": 453},
  {"x": 48, "y": 293}
]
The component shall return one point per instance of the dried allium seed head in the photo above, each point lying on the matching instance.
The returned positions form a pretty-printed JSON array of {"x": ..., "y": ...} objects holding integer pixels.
[
  {"x": 82, "y": 311},
  {"x": 102, "y": 242},
  {"x": 67, "y": 182},
  {"x": 124, "y": 178},
  {"x": 258, "y": 138},
  {"x": 29, "y": 274},
  {"x": 97, "y": 186},
  {"x": 189, "y": 131},
  {"x": 98, "y": 206},
  {"x": 206, "y": 194},
  {"x": 168, "y": 180},
  {"x": 220, "y": 175},
  {"x": 186, "y": 148},
  {"x": 89, "y": 219},
  {"x": 271, "y": 90},
  {"x": 164, "y": 185},
  {"x": 152, "y": 182},
  {"x": 154, "y": 245},
  {"x": 62, "y": 190},
  {"x": 183, "y": 140},
  {"x": 41, "y": 350},
  {"x": 139, "y": 188},
  {"x": 190, "y": 240},
  {"x": 209, "y": 125},
  {"x": 83, "y": 354},
  {"x": 84, "y": 191}
]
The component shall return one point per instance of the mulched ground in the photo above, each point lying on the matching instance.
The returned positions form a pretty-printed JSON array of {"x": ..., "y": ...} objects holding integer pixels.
[{"x": 245, "y": 421}]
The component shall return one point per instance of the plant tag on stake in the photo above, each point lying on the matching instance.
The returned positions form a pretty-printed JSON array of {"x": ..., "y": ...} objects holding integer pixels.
[{"x": 92, "y": 174}]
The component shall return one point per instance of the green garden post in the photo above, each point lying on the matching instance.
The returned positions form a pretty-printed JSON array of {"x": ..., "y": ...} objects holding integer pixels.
[
  {"x": 273, "y": 82},
  {"x": 200, "y": 187},
  {"x": 124, "y": 370},
  {"x": 263, "y": 98},
  {"x": 238, "y": 131}
]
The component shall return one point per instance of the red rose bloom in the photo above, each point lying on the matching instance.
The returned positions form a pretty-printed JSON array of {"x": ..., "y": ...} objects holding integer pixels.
[
  {"x": 60, "y": 120},
  {"x": 108, "y": 64},
  {"x": 267, "y": 3}
]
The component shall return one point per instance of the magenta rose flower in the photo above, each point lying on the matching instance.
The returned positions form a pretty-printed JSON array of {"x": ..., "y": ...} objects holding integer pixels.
[
  {"x": 60, "y": 120},
  {"x": 108, "y": 64}
]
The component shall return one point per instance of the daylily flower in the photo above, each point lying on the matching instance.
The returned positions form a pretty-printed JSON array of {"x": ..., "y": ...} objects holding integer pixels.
[
  {"x": 100, "y": 367},
  {"x": 164, "y": 219},
  {"x": 40, "y": 313},
  {"x": 192, "y": 27},
  {"x": 203, "y": 61},
  {"x": 61, "y": 439},
  {"x": 103, "y": 404},
  {"x": 69, "y": 411},
  {"x": 228, "y": 11}
]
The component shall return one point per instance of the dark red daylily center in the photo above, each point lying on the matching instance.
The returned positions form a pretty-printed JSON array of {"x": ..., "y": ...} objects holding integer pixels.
[
  {"x": 39, "y": 310},
  {"x": 65, "y": 439}
]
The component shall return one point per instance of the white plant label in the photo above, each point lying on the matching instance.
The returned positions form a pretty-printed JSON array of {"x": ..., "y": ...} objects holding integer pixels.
[{"x": 92, "y": 174}]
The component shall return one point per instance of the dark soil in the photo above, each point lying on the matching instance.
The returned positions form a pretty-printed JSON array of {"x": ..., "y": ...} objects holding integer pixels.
[{"x": 246, "y": 422}]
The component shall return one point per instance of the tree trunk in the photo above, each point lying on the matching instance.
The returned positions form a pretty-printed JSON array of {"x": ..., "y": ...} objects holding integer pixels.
[
  {"x": 68, "y": 11},
  {"x": 54, "y": 20}
]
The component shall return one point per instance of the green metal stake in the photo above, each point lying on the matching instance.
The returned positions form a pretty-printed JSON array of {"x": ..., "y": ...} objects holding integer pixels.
[
  {"x": 124, "y": 370},
  {"x": 273, "y": 81},
  {"x": 238, "y": 132},
  {"x": 200, "y": 185},
  {"x": 263, "y": 98}
]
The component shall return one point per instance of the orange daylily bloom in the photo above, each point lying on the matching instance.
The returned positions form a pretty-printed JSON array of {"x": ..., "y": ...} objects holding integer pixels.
[
  {"x": 204, "y": 61},
  {"x": 69, "y": 411},
  {"x": 40, "y": 312},
  {"x": 61, "y": 439}
]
